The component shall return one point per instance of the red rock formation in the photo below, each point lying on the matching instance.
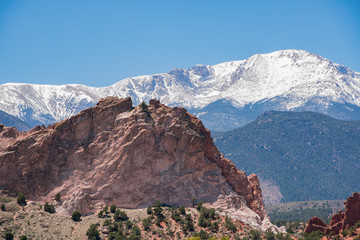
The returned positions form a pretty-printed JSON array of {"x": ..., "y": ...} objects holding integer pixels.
[
  {"x": 256, "y": 191},
  {"x": 131, "y": 157},
  {"x": 339, "y": 221},
  {"x": 315, "y": 224},
  {"x": 336, "y": 223},
  {"x": 352, "y": 211},
  {"x": 8, "y": 135}
]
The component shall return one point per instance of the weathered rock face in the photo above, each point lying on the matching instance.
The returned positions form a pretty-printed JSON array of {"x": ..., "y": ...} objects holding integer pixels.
[
  {"x": 131, "y": 157},
  {"x": 315, "y": 224},
  {"x": 352, "y": 210},
  {"x": 339, "y": 221}
]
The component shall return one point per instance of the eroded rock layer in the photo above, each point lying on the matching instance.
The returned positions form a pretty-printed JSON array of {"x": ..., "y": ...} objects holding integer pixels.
[{"x": 114, "y": 153}]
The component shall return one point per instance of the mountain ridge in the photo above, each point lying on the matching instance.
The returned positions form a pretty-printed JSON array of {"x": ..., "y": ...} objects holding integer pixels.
[
  {"x": 301, "y": 156},
  {"x": 281, "y": 80}
]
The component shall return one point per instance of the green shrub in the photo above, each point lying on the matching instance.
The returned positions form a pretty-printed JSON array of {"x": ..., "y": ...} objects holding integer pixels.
[
  {"x": 188, "y": 225},
  {"x": 113, "y": 208},
  {"x": 202, "y": 222},
  {"x": 149, "y": 211},
  {"x": 23, "y": 237},
  {"x": 120, "y": 215},
  {"x": 158, "y": 210},
  {"x": 281, "y": 236},
  {"x": 175, "y": 214},
  {"x": 92, "y": 233},
  {"x": 144, "y": 108},
  {"x": 107, "y": 223},
  {"x": 199, "y": 205},
  {"x": 214, "y": 227},
  {"x": 128, "y": 224},
  {"x": 106, "y": 209},
  {"x": 9, "y": 236},
  {"x": 21, "y": 200},
  {"x": 203, "y": 235},
  {"x": 49, "y": 208},
  {"x": 58, "y": 197},
  {"x": 135, "y": 233},
  {"x": 146, "y": 222},
  {"x": 269, "y": 235},
  {"x": 230, "y": 225},
  {"x": 255, "y": 234},
  {"x": 2, "y": 207},
  {"x": 182, "y": 210},
  {"x": 101, "y": 214},
  {"x": 76, "y": 216}
]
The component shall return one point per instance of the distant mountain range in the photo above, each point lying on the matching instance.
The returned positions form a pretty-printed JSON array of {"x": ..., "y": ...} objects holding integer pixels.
[
  {"x": 299, "y": 156},
  {"x": 225, "y": 96},
  {"x": 11, "y": 121}
]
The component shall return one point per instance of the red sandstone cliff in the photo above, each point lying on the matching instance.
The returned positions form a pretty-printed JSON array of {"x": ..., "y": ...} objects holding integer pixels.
[
  {"x": 116, "y": 154},
  {"x": 339, "y": 221}
]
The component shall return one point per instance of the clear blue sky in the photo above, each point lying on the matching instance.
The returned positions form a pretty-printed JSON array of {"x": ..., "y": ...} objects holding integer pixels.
[{"x": 98, "y": 43}]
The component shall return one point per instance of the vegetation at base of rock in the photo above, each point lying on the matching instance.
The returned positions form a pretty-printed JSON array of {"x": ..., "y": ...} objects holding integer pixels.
[
  {"x": 49, "y": 208},
  {"x": 303, "y": 211},
  {"x": 146, "y": 222},
  {"x": 157, "y": 210},
  {"x": 188, "y": 225},
  {"x": 206, "y": 216},
  {"x": 92, "y": 233},
  {"x": 120, "y": 215},
  {"x": 76, "y": 216},
  {"x": 58, "y": 197},
  {"x": 316, "y": 235},
  {"x": 269, "y": 235},
  {"x": 144, "y": 107},
  {"x": 182, "y": 210},
  {"x": 112, "y": 208},
  {"x": 21, "y": 200},
  {"x": 230, "y": 225},
  {"x": 255, "y": 234},
  {"x": 145, "y": 227},
  {"x": 106, "y": 209}
]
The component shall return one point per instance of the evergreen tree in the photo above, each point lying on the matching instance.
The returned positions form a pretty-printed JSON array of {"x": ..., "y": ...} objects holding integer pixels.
[
  {"x": 58, "y": 197},
  {"x": 92, "y": 233},
  {"x": 21, "y": 200},
  {"x": 49, "y": 208},
  {"x": 76, "y": 216},
  {"x": 113, "y": 208}
]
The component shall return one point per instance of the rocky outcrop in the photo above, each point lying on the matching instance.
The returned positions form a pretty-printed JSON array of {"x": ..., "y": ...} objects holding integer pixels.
[
  {"x": 115, "y": 153},
  {"x": 315, "y": 224},
  {"x": 8, "y": 135},
  {"x": 339, "y": 221},
  {"x": 352, "y": 210}
]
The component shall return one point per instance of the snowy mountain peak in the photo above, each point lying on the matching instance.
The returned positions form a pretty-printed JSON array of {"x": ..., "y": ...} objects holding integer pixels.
[{"x": 282, "y": 80}]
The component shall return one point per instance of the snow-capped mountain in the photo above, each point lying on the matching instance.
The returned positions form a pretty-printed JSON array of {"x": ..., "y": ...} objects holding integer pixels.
[{"x": 224, "y": 96}]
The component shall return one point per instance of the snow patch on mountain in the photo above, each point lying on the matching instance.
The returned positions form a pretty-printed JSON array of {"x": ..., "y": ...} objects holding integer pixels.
[{"x": 282, "y": 80}]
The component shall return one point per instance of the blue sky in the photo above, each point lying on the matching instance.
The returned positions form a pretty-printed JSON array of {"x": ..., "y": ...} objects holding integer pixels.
[{"x": 98, "y": 43}]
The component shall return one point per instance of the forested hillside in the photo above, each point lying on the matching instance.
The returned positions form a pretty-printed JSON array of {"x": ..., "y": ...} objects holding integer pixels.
[{"x": 309, "y": 156}]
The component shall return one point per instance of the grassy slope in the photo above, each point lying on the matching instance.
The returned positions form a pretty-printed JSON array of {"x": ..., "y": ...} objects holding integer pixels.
[{"x": 303, "y": 211}]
